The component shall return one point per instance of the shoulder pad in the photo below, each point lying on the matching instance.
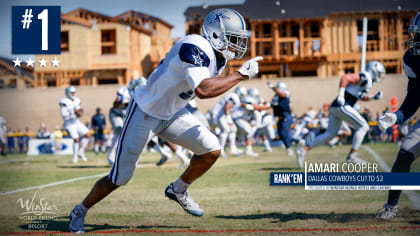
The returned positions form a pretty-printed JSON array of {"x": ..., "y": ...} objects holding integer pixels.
[{"x": 193, "y": 55}]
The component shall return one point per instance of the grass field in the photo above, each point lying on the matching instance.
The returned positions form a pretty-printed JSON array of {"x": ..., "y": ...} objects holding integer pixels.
[{"x": 235, "y": 196}]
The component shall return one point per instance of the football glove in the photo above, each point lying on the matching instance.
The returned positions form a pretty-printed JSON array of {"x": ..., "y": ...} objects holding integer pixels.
[
  {"x": 386, "y": 121},
  {"x": 270, "y": 85},
  {"x": 250, "y": 67}
]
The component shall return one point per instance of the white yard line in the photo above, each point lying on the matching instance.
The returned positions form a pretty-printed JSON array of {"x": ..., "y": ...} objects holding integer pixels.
[
  {"x": 412, "y": 196},
  {"x": 52, "y": 184}
]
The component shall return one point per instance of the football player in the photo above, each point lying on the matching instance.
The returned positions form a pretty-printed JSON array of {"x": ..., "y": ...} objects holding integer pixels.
[
  {"x": 191, "y": 68},
  {"x": 118, "y": 111},
  {"x": 71, "y": 110},
  {"x": 3, "y": 132},
  {"x": 352, "y": 88},
  {"x": 281, "y": 107},
  {"x": 410, "y": 148},
  {"x": 221, "y": 114},
  {"x": 244, "y": 114},
  {"x": 98, "y": 125}
]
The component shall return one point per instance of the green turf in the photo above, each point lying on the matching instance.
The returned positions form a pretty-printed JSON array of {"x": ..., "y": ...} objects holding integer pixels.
[{"x": 235, "y": 194}]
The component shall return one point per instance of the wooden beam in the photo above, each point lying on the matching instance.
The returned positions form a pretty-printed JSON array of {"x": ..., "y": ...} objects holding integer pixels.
[
  {"x": 301, "y": 36},
  {"x": 253, "y": 42},
  {"x": 276, "y": 51}
]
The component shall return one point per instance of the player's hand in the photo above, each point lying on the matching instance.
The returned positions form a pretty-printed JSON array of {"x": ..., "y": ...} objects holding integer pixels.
[
  {"x": 250, "y": 67},
  {"x": 340, "y": 100},
  {"x": 270, "y": 85},
  {"x": 79, "y": 112},
  {"x": 386, "y": 121},
  {"x": 378, "y": 95}
]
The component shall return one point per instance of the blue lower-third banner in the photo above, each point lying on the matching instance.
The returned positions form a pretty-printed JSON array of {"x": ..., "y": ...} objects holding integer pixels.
[{"x": 347, "y": 181}]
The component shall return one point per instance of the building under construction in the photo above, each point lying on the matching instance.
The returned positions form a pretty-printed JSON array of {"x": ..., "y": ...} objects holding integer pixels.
[{"x": 318, "y": 38}]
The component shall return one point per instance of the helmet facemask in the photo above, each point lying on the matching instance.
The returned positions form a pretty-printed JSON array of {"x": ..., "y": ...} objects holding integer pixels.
[{"x": 413, "y": 42}]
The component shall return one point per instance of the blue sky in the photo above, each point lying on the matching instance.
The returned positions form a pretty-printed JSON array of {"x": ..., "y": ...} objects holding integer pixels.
[{"x": 171, "y": 11}]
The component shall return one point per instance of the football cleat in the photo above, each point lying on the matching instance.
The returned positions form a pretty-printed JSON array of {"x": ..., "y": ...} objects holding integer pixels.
[
  {"x": 162, "y": 160},
  {"x": 300, "y": 156},
  {"x": 354, "y": 159},
  {"x": 184, "y": 200},
  {"x": 252, "y": 154},
  {"x": 388, "y": 212},
  {"x": 290, "y": 152},
  {"x": 77, "y": 221}
]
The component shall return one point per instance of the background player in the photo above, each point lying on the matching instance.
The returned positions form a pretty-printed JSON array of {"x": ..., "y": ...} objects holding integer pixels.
[
  {"x": 352, "y": 88},
  {"x": 98, "y": 126},
  {"x": 281, "y": 107},
  {"x": 71, "y": 111}
]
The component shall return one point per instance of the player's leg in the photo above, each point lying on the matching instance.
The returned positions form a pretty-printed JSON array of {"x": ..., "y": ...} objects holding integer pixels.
[
  {"x": 334, "y": 124},
  {"x": 72, "y": 130},
  {"x": 188, "y": 132},
  {"x": 96, "y": 139},
  {"x": 179, "y": 153},
  {"x": 84, "y": 133},
  {"x": 410, "y": 150},
  {"x": 234, "y": 150},
  {"x": 102, "y": 141},
  {"x": 135, "y": 134},
  {"x": 353, "y": 117},
  {"x": 111, "y": 154},
  {"x": 245, "y": 128},
  {"x": 283, "y": 128},
  {"x": 225, "y": 130}
]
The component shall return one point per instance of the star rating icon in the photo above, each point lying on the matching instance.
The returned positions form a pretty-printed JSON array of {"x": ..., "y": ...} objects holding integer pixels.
[
  {"x": 42, "y": 62},
  {"x": 17, "y": 62},
  {"x": 55, "y": 62},
  {"x": 31, "y": 63}
]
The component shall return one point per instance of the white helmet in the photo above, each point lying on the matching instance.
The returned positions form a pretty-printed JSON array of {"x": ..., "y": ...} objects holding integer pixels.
[
  {"x": 225, "y": 29},
  {"x": 253, "y": 92},
  {"x": 240, "y": 91},
  {"x": 282, "y": 86},
  {"x": 70, "y": 92},
  {"x": 414, "y": 35},
  {"x": 376, "y": 70}
]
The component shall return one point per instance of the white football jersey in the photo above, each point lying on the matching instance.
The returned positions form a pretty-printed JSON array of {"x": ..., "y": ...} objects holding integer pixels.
[
  {"x": 361, "y": 89},
  {"x": 242, "y": 112},
  {"x": 68, "y": 108},
  {"x": 172, "y": 84},
  {"x": 219, "y": 109}
]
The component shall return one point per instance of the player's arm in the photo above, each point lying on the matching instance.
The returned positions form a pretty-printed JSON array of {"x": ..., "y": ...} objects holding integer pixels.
[
  {"x": 215, "y": 86},
  {"x": 63, "y": 110},
  {"x": 411, "y": 102},
  {"x": 255, "y": 107},
  {"x": 195, "y": 62},
  {"x": 344, "y": 81}
]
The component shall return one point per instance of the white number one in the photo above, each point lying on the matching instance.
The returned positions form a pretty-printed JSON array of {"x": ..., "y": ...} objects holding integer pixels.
[{"x": 43, "y": 16}]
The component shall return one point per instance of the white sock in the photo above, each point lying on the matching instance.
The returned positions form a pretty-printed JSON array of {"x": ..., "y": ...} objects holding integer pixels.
[
  {"x": 267, "y": 145},
  {"x": 162, "y": 151},
  {"x": 181, "y": 155},
  {"x": 83, "y": 144},
  {"x": 103, "y": 148},
  {"x": 180, "y": 186},
  {"x": 96, "y": 148},
  {"x": 75, "y": 150},
  {"x": 249, "y": 148},
  {"x": 232, "y": 141},
  {"x": 333, "y": 141}
]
